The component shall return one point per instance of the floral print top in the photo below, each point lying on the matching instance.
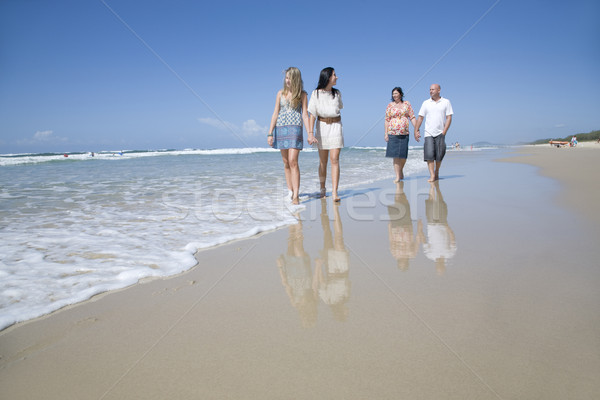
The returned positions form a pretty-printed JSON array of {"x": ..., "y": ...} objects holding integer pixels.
[{"x": 397, "y": 118}]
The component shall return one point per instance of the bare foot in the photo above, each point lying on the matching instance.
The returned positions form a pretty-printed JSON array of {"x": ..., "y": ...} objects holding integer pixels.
[
  {"x": 336, "y": 199},
  {"x": 399, "y": 177},
  {"x": 431, "y": 179},
  {"x": 322, "y": 192},
  {"x": 295, "y": 200}
]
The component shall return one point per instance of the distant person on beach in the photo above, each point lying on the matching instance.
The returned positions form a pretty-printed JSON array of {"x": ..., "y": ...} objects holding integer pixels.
[
  {"x": 573, "y": 141},
  {"x": 437, "y": 112},
  {"x": 285, "y": 132},
  {"x": 324, "y": 107},
  {"x": 398, "y": 116}
]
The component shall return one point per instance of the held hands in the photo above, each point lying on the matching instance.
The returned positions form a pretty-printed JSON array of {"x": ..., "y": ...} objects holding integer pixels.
[
  {"x": 312, "y": 139},
  {"x": 417, "y": 135}
]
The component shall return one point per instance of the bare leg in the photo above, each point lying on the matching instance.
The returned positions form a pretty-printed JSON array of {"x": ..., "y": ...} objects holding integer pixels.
[
  {"x": 438, "y": 164},
  {"x": 398, "y": 166},
  {"x": 431, "y": 167},
  {"x": 286, "y": 168},
  {"x": 294, "y": 174},
  {"x": 334, "y": 157},
  {"x": 323, "y": 159}
]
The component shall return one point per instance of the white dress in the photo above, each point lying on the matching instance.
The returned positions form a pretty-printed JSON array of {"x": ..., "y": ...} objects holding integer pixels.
[{"x": 329, "y": 136}]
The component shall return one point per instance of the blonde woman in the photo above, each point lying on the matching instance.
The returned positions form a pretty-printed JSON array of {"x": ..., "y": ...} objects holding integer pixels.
[
  {"x": 285, "y": 132},
  {"x": 324, "y": 107}
]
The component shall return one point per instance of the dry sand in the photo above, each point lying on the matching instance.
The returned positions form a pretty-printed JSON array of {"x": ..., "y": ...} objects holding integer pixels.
[{"x": 350, "y": 305}]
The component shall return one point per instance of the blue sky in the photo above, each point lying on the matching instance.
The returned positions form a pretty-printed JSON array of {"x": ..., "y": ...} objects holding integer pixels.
[{"x": 121, "y": 74}]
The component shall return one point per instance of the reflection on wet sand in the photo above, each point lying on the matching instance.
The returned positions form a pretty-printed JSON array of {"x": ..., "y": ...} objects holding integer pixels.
[
  {"x": 331, "y": 268},
  {"x": 330, "y": 281},
  {"x": 440, "y": 244},
  {"x": 297, "y": 278},
  {"x": 404, "y": 244}
]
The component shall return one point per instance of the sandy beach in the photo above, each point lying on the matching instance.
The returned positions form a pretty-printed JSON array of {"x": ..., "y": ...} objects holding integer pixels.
[
  {"x": 575, "y": 168},
  {"x": 481, "y": 286}
]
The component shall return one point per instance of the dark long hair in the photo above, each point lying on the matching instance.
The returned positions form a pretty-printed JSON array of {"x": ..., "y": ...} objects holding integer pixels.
[
  {"x": 399, "y": 90},
  {"x": 324, "y": 80}
]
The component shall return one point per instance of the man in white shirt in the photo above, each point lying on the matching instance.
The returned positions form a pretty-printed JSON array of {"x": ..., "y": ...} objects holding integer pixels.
[{"x": 437, "y": 112}]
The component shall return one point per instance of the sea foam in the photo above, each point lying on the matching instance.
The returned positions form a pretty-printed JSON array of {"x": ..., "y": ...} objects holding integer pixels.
[{"x": 76, "y": 226}]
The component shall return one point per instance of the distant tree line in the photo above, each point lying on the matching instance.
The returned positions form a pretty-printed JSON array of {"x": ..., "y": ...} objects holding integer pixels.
[{"x": 581, "y": 137}]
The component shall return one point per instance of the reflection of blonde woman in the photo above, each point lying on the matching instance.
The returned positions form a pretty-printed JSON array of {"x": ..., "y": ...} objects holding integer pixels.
[
  {"x": 285, "y": 132},
  {"x": 297, "y": 278}
]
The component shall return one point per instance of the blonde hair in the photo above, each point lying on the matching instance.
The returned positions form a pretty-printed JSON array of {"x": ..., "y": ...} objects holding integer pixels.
[{"x": 296, "y": 88}]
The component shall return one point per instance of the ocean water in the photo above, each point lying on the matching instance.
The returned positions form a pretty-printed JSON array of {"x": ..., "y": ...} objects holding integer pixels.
[{"x": 72, "y": 227}]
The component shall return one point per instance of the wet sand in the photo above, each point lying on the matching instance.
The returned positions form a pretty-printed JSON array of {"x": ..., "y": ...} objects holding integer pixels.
[
  {"x": 576, "y": 168},
  {"x": 483, "y": 286}
]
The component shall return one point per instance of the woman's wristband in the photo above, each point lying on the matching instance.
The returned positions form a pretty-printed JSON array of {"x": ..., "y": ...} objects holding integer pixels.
[{"x": 270, "y": 135}]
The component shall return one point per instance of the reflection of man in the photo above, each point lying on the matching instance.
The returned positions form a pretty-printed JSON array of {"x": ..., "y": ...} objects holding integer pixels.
[
  {"x": 404, "y": 246},
  {"x": 297, "y": 277},
  {"x": 437, "y": 112},
  {"x": 331, "y": 269},
  {"x": 441, "y": 243}
]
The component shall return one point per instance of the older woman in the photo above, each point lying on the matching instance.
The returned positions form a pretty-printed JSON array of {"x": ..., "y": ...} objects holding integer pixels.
[{"x": 398, "y": 115}]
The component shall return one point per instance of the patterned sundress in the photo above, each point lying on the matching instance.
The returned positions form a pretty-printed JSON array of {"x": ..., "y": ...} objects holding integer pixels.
[
  {"x": 398, "y": 118},
  {"x": 288, "y": 129}
]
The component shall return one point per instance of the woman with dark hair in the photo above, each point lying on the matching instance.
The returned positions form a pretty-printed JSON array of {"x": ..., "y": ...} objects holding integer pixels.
[
  {"x": 398, "y": 116},
  {"x": 324, "y": 107}
]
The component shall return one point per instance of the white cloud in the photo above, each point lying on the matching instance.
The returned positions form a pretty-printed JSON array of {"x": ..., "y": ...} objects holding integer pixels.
[
  {"x": 216, "y": 123},
  {"x": 42, "y": 136},
  {"x": 249, "y": 127}
]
